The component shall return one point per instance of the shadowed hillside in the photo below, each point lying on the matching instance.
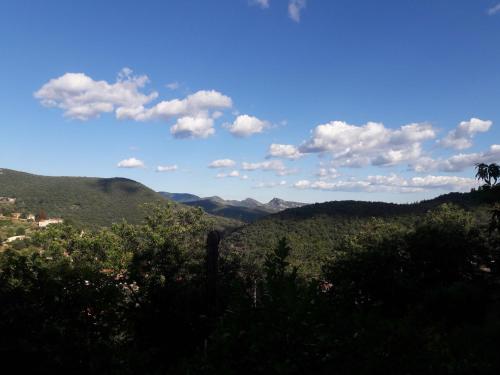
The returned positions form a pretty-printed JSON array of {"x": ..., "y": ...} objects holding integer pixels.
[{"x": 315, "y": 230}]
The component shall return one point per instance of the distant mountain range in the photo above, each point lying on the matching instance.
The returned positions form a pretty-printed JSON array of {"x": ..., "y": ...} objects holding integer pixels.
[{"x": 246, "y": 210}]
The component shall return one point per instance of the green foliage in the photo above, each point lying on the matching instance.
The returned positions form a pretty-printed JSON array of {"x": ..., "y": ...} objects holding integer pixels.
[
  {"x": 89, "y": 201},
  {"x": 378, "y": 289}
]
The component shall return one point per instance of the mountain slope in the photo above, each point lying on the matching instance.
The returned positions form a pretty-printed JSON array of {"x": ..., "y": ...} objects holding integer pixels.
[
  {"x": 315, "y": 230},
  {"x": 85, "y": 200},
  {"x": 247, "y": 210},
  {"x": 179, "y": 197},
  {"x": 214, "y": 207}
]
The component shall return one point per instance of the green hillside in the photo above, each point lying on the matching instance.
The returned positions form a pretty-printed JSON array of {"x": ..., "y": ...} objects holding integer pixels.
[
  {"x": 316, "y": 231},
  {"x": 84, "y": 200},
  {"x": 244, "y": 214}
]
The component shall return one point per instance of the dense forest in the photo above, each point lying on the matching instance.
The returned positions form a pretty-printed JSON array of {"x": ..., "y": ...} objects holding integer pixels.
[{"x": 397, "y": 293}]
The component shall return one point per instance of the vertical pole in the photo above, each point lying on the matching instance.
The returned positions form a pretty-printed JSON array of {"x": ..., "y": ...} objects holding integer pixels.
[{"x": 213, "y": 240}]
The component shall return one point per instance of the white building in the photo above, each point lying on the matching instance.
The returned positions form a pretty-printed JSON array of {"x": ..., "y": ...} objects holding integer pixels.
[{"x": 44, "y": 223}]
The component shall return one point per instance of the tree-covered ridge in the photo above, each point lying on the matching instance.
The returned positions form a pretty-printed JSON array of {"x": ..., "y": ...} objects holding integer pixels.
[
  {"x": 85, "y": 200},
  {"x": 313, "y": 231}
]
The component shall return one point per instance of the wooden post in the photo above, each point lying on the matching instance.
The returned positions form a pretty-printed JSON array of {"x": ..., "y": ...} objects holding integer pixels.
[{"x": 212, "y": 264}]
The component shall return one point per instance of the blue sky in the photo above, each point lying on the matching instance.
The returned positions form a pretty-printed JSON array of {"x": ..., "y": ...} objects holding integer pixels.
[{"x": 373, "y": 100}]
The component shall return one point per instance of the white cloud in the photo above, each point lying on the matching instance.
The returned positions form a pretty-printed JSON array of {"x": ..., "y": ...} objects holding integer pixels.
[
  {"x": 246, "y": 125},
  {"x": 372, "y": 143},
  {"x": 494, "y": 10},
  {"x": 461, "y": 137},
  {"x": 166, "y": 168},
  {"x": 392, "y": 183},
  {"x": 273, "y": 165},
  {"x": 193, "y": 127},
  {"x": 261, "y": 3},
  {"x": 327, "y": 173},
  {"x": 199, "y": 104},
  {"x": 265, "y": 185},
  {"x": 83, "y": 98},
  {"x": 131, "y": 163},
  {"x": 235, "y": 173},
  {"x": 173, "y": 85},
  {"x": 457, "y": 163},
  {"x": 276, "y": 166},
  {"x": 284, "y": 151},
  {"x": 222, "y": 163},
  {"x": 295, "y": 8}
]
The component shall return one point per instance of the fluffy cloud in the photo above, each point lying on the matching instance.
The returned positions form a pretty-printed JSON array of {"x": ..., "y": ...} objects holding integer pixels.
[
  {"x": 372, "y": 143},
  {"x": 272, "y": 165},
  {"x": 83, "y": 98},
  {"x": 494, "y": 10},
  {"x": 245, "y": 125},
  {"x": 131, "y": 163},
  {"x": 295, "y": 8},
  {"x": 461, "y": 137},
  {"x": 193, "y": 127},
  {"x": 392, "y": 183},
  {"x": 222, "y": 163},
  {"x": 284, "y": 151},
  {"x": 266, "y": 185},
  {"x": 261, "y": 3},
  {"x": 327, "y": 173},
  {"x": 457, "y": 163},
  {"x": 233, "y": 174},
  {"x": 276, "y": 166},
  {"x": 166, "y": 168},
  {"x": 199, "y": 104},
  {"x": 173, "y": 85}
]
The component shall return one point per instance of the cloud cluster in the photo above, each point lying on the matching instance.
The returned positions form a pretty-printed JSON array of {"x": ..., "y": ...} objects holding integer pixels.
[
  {"x": 200, "y": 104},
  {"x": 267, "y": 185},
  {"x": 131, "y": 163},
  {"x": 167, "y": 168},
  {"x": 284, "y": 151},
  {"x": 461, "y": 137},
  {"x": 276, "y": 166},
  {"x": 222, "y": 163},
  {"x": 391, "y": 183},
  {"x": 245, "y": 126},
  {"x": 234, "y": 173},
  {"x": 457, "y": 163},
  {"x": 372, "y": 143},
  {"x": 327, "y": 173},
  {"x": 83, "y": 98}
]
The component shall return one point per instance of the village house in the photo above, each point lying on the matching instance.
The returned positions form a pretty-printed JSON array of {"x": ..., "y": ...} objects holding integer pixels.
[
  {"x": 16, "y": 215},
  {"x": 44, "y": 223},
  {"x": 15, "y": 238},
  {"x": 7, "y": 200}
]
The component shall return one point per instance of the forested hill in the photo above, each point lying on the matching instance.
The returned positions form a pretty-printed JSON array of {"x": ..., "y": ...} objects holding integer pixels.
[
  {"x": 85, "y": 200},
  {"x": 363, "y": 209},
  {"x": 314, "y": 231}
]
